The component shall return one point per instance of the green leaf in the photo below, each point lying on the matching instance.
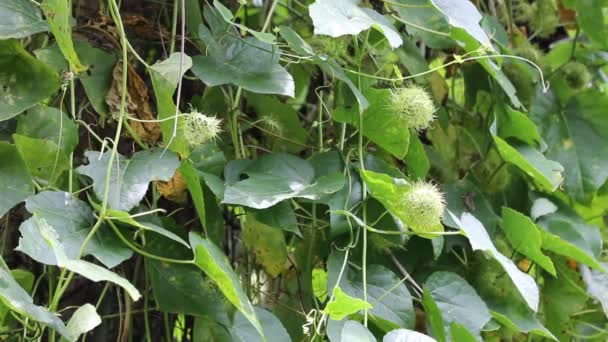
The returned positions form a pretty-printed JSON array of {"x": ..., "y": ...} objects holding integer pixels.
[
  {"x": 464, "y": 15},
  {"x": 19, "y": 19},
  {"x": 25, "y": 80},
  {"x": 343, "y": 305},
  {"x": 58, "y": 17},
  {"x": 389, "y": 191},
  {"x": 214, "y": 263},
  {"x": 45, "y": 160},
  {"x": 460, "y": 333},
  {"x": 404, "y": 335},
  {"x": 15, "y": 179},
  {"x": 546, "y": 173},
  {"x": 243, "y": 331},
  {"x": 194, "y": 188},
  {"x": 165, "y": 77},
  {"x": 332, "y": 68},
  {"x": 319, "y": 283},
  {"x": 129, "y": 178},
  {"x": 353, "y": 331},
  {"x": 98, "y": 78},
  {"x": 417, "y": 162},
  {"x": 267, "y": 243},
  {"x": 336, "y": 18},
  {"x": 49, "y": 123},
  {"x": 181, "y": 288},
  {"x": 390, "y": 298},
  {"x": 479, "y": 239},
  {"x": 20, "y": 301},
  {"x": 83, "y": 320},
  {"x": 424, "y": 21},
  {"x": 86, "y": 269},
  {"x": 464, "y": 196},
  {"x": 73, "y": 220},
  {"x": 248, "y": 63},
  {"x": 597, "y": 285},
  {"x": 525, "y": 237},
  {"x": 225, "y": 13},
  {"x": 380, "y": 125},
  {"x": 295, "y": 42},
  {"x": 577, "y": 138},
  {"x": 590, "y": 16},
  {"x": 562, "y": 297},
  {"x": 515, "y": 124},
  {"x": 280, "y": 123},
  {"x": 519, "y": 318},
  {"x": 276, "y": 177},
  {"x": 280, "y": 216},
  {"x": 456, "y": 301},
  {"x": 570, "y": 236}
]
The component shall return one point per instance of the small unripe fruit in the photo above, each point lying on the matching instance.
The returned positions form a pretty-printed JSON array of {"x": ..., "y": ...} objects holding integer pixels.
[
  {"x": 423, "y": 205},
  {"x": 546, "y": 19},
  {"x": 413, "y": 105},
  {"x": 576, "y": 75},
  {"x": 199, "y": 128}
]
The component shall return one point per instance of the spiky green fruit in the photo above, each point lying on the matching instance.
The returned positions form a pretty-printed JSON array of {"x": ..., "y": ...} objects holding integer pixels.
[
  {"x": 546, "y": 19},
  {"x": 422, "y": 206},
  {"x": 199, "y": 128},
  {"x": 413, "y": 105},
  {"x": 576, "y": 75}
]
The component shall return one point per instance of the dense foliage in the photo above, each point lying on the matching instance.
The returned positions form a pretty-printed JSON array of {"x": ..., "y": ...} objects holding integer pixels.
[{"x": 303, "y": 170}]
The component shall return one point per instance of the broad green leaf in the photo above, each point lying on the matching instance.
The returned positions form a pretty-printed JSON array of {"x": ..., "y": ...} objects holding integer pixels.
[
  {"x": 280, "y": 123},
  {"x": 597, "y": 284},
  {"x": 525, "y": 237},
  {"x": 571, "y": 237},
  {"x": 15, "y": 297},
  {"x": 506, "y": 305},
  {"x": 389, "y": 191},
  {"x": 343, "y": 305},
  {"x": 194, "y": 188},
  {"x": 319, "y": 283},
  {"x": 208, "y": 330},
  {"x": 181, "y": 288},
  {"x": 353, "y": 331},
  {"x": 547, "y": 174},
  {"x": 45, "y": 160},
  {"x": 464, "y": 196},
  {"x": 515, "y": 124},
  {"x": 332, "y": 68},
  {"x": 434, "y": 317},
  {"x": 214, "y": 263},
  {"x": 344, "y": 17},
  {"x": 460, "y": 333},
  {"x": 380, "y": 124},
  {"x": 541, "y": 207},
  {"x": 86, "y": 269},
  {"x": 457, "y": 302},
  {"x": 25, "y": 80},
  {"x": 295, "y": 42},
  {"x": 248, "y": 63},
  {"x": 424, "y": 21},
  {"x": 405, "y": 335},
  {"x": 83, "y": 320},
  {"x": 243, "y": 331},
  {"x": 144, "y": 224},
  {"x": 49, "y": 123},
  {"x": 577, "y": 137},
  {"x": 562, "y": 297},
  {"x": 58, "y": 17},
  {"x": 225, "y": 13},
  {"x": 165, "y": 77},
  {"x": 390, "y": 298},
  {"x": 267, "y": 243},
  {"x": 276, "y": 177},
  {"x": 590, "y": 16},
  {"x": 479, "y": 239},
  {"x": 20, "y": 18},
  {"x": 464, "y": 15},
  {"x": 129, "y": 178},
  {"x": 280, "y": 216},
  {"x": 417, "y": 162},
  {"x": 15, "y": 179},
  {"x": 25, "y": 279},
  {"x": 73, "y": 220},
  {"x": 96, "y": 81}
]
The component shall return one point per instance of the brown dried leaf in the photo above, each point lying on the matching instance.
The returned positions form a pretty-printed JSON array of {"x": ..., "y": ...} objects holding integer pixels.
[
  {"x": 175, "y": 190},
  {"x": 137, "y": 104}
]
